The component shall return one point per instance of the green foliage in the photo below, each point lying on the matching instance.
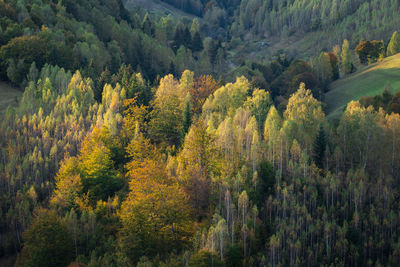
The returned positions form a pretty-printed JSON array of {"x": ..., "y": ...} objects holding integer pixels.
[
  {"x": 324, "y": 69},
  {"x": 187, "y": 114},
  {"x": 197, "y": 42},
  {"x": 394, "y": 45},
  {"x": 217, "y": 175},
  {"x": 182, "y": 38},
  {"x": 315, "y": 26},
  {"x": 234, "y": 257},
  {"x": 87, "y": 35},
  {"x": 259, "y": 104},
  {"x": 91, "y": 172},
  {"x": 228, "y": 98},
  {"x": 166, "y": 117},
  {"x": 205, "y": 258},
  {"x": 370, "y": 52},
  {"x": 347, "y": 65},
  {"x": 47, "y": 242},
  {"x": 305, "y": 111},
  {"x": 319, "y": 147}
]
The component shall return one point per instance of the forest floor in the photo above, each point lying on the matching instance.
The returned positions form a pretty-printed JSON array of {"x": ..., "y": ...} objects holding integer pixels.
[
  {"x": 9, "y": 95},
  {"x": 367, "y": 81}
]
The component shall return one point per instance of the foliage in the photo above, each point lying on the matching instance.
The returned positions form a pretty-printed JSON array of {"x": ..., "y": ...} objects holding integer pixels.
[
  {"x": 347, "y": 65},
  {"x": 47, "y": 242},
  {"x": 155, "y": 215},
  {"x": 191, "y": 171},
  {"x": 319, "y": 147},
  {"x": 394, "y": 45},
  {"x": 370, "y": 52},
  {"x": 205, "y": 258}
]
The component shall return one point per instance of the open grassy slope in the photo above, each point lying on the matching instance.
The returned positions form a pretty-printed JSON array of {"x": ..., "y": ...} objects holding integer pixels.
[
  {"x": 369, "y": 81},
  {"x": 157, "y": 7},
  {"x": 8, "y": 96}
]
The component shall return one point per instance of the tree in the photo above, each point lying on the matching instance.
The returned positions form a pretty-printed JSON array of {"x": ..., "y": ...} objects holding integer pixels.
[
  {"x": 306, "y": 112},
  {"x": 369, "y": 52},
  {"x": 205, "y": 258},
  {"x": 195, "y": 26},
  {"x": 197, "y": 164},
  {"x": 394, "y": 45},
  {"x": 104, "y": 78},
  {"x": 147, "y": 26},
  {"x": 243, "y": 204},
  {"x": 156, "y": 219},
  {"x": 186, "y": 83},
  {"x": 92, "y": 171},
  {"x": 363, "y": 49},
  {"x": 319, "y": 147},
  {"x": 165, "y": 126},
  {"x": 33, "y": 73},
  {"x": 347, "y": 65},
  {"x": 187, "y": 113},
  {"x": 197, "y": 42},
  {"x": 68, "y": 184},
  {"x": 222, "y": 234},
  {"x": 182, "y": 37},
  {"x": 272, "y": 128},
  {"x": 97, "y": 159},
  {"x": 203, "y": 87},
  {"x": 334, "y": 64},
  {"x": 324, "y": 69},
  {"x": 156, "y": 215},
  {"x": 259, "y": 104},
  {"x": 47, "y": 242}
]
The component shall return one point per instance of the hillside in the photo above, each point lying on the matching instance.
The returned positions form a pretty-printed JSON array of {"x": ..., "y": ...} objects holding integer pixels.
[
  {"x": 303, "y": 27},
  {"x": 174, "y": 133},
  {"x": 157, "y": 7},
  {"x": 368, "y": 81}
]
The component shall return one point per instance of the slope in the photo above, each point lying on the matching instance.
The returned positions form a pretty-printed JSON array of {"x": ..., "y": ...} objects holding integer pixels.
[
  {"x": 369, "y": 81},
  {"x": 157, "y": 7}
]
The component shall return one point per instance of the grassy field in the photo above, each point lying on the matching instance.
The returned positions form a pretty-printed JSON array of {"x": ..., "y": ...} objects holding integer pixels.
[
  {"x": 8, "y": 96},
  {"x": 369, "y": 81}
]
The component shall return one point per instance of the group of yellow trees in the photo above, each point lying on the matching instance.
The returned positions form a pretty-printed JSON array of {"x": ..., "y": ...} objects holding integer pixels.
[{"x": 215, "y": 173}]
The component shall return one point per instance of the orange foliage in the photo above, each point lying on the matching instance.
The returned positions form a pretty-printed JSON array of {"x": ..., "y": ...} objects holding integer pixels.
[{"x": 203, "y": 87}]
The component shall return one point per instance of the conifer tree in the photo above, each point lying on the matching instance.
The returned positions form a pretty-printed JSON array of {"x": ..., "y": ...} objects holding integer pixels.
[
  {"x": 197, "y": 43},
  {"x": 319, "y": 147},
  {"x": 187, "y": 113}
]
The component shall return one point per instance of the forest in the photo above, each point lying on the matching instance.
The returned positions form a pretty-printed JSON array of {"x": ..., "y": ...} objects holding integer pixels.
[{"x": 141, "y": 140}]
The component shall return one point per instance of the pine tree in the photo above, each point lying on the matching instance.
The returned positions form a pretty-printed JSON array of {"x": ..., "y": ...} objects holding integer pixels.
[
  {"x": 147, "y": 26},
  {"x": 187, "y": 113},
  {"x": 319, "y": 147},
  {"x": 195, "y": 26},
  {"x": 394, "y": 45},
  {"x": 33, "y": 72},
  {"x": 187, "y": 38},
  {"x": 197, "y": 43}
]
